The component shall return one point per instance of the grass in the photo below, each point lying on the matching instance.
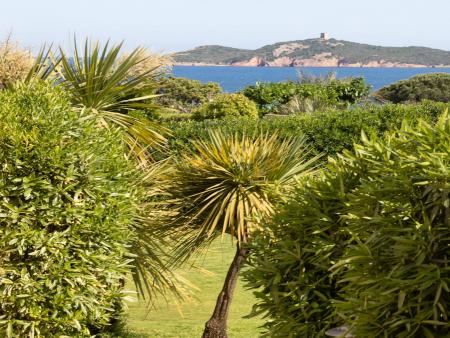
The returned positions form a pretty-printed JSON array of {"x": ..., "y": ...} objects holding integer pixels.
[{"x": 166, "y": 320}]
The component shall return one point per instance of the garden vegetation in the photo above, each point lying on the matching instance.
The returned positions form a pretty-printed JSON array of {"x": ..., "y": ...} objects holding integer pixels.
[{"x": 339, "y": 211}]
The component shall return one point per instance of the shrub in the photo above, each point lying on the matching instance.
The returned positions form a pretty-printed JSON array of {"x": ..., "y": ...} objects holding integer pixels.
[
  {"x": 397, "y": 270},
  {"x": 327, "y": 132},
  {"x": 15, "y": 62},
  {"x": 364, "y": 244},
  {"x": 435, "y": 87},
  {"x": 226, "y": 105},
  {"x": 289, "y": 264},
  {"x": 272, "y": 97},
  {"x": 184, "y": 95},
  {"x": 68, "y": 200}
]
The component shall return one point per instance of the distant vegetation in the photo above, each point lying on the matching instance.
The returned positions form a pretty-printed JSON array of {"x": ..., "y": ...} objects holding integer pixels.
[
  {"x": 435, "y": 87},
  {"x": 346, "y": 52}
]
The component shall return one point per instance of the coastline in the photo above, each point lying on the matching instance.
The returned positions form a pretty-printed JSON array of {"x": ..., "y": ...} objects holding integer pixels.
[{"x": 189, "y": 64}]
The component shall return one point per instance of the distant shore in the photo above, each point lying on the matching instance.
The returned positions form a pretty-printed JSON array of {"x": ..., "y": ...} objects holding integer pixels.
[{"x": 189, "y": 64}]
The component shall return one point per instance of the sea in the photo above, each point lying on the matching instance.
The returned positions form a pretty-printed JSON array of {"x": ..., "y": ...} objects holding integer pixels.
[{"x": 233, "y": 79}]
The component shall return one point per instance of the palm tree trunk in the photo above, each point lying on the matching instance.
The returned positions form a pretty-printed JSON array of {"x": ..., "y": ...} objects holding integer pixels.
[{"x": 216, "y": 326}]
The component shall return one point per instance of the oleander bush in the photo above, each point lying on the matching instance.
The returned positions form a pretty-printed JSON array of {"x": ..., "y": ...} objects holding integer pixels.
[
  {"x": 288, "y": 269},
  {"x": 397, "y": 271},
  {"x": 435, "y": 87},
  {"x": 69, "y": 201},
  {"x": 366, "y": 244},
  {"x": 226, "y": 106}
]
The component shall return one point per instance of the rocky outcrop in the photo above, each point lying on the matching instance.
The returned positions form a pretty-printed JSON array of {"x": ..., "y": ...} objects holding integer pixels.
[{"x": 253, "y": 62}]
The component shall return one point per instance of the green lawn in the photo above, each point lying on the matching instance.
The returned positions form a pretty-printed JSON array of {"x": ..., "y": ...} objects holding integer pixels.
[{"x": 166, "y": 321}]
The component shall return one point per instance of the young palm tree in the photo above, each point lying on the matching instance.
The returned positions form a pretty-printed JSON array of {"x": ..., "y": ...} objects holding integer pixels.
[{"x": 228, "y": 185}]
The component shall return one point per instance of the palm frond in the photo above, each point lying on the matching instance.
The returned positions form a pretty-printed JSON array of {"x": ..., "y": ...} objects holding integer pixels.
[
  {"x": 98, "y": 79},
  {"x": 230, "y": 183},
  {"x": 44, "y": 66}
]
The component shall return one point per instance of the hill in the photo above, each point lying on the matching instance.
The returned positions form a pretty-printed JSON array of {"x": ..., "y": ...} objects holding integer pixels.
[{"x": 315, "y": 53}]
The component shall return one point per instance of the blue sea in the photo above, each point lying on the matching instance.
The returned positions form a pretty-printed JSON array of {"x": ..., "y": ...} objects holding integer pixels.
[{"x": 233, "y": 79}]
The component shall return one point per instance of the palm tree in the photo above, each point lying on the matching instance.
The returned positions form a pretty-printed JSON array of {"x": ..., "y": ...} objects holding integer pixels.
[
  {"x": 229, "y": 184},
  {"x": 100, "y": 79}
]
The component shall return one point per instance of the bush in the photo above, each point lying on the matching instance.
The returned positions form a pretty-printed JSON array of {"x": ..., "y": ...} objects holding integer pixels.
[
  {"x": 327, "y": 132},
  {"x": 365, "y": 244},
  {"x": 68, "y": 198},
  {"x": 184, "y": 95},
  {"x": 15, "y": 62},
  {"x": 226, "y": 105},
  {"x": 435, "y": 87},
  {"x": 397, "y": 270},
  {"x": 289, "y": 264},
  {"x": 272, "y": 97}
]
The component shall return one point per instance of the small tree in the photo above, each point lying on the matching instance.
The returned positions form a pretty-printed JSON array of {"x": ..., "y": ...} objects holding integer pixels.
[{"x": 227, "y": 186}]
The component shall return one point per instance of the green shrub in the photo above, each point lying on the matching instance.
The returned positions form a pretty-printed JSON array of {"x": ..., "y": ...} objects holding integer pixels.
[
  {"x": 273, "y": 97},
  {"x": 289, "y": 264},
  {"x": 327, "y": 132},
  {"x": 435, "y": 87},
  {"x": 365, "y": 244},
  {"x": 184, "y": 95},
  {"x": 398, "y": 269},
  {"x": 270, "y": 96},
  {"x": 226, "y": 105},
  {"x": 68, "y": 198}
]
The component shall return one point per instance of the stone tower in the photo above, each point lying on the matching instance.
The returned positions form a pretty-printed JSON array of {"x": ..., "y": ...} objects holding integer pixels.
[{"x": 324, "y": 36}]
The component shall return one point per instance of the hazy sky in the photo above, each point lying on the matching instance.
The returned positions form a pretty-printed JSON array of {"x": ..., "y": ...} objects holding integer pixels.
[{"x": 172, "y": 25}]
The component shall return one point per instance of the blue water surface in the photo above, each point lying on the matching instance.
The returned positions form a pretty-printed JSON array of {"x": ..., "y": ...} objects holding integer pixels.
[{"x": 233, "y": 79}]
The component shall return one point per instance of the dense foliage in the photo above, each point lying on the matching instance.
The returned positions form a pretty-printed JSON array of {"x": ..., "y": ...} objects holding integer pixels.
[
  {"x": 327, "y": 132},
  {"x": 435, "y": 87},
  {"x": 69, "y": 199},
  {"x": 226, "y": 105},
  {"x": 280, "y": 97},
  {"x": 289, "y": 263},
  {"x": 365, "y": 244},
  {"x": 184, "y": 95},
  {"x": 397, "y": 271}
]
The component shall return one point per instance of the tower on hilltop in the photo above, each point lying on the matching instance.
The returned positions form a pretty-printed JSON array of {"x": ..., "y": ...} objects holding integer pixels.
[{"x": 324, "y": 36}]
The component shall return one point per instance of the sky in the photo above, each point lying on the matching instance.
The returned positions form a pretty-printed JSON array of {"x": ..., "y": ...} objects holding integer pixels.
[{"x": 175, "y": 25}]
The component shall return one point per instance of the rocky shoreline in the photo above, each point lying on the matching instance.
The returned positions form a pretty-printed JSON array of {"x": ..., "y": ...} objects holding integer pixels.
[{"x": 310, "y": 63}]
